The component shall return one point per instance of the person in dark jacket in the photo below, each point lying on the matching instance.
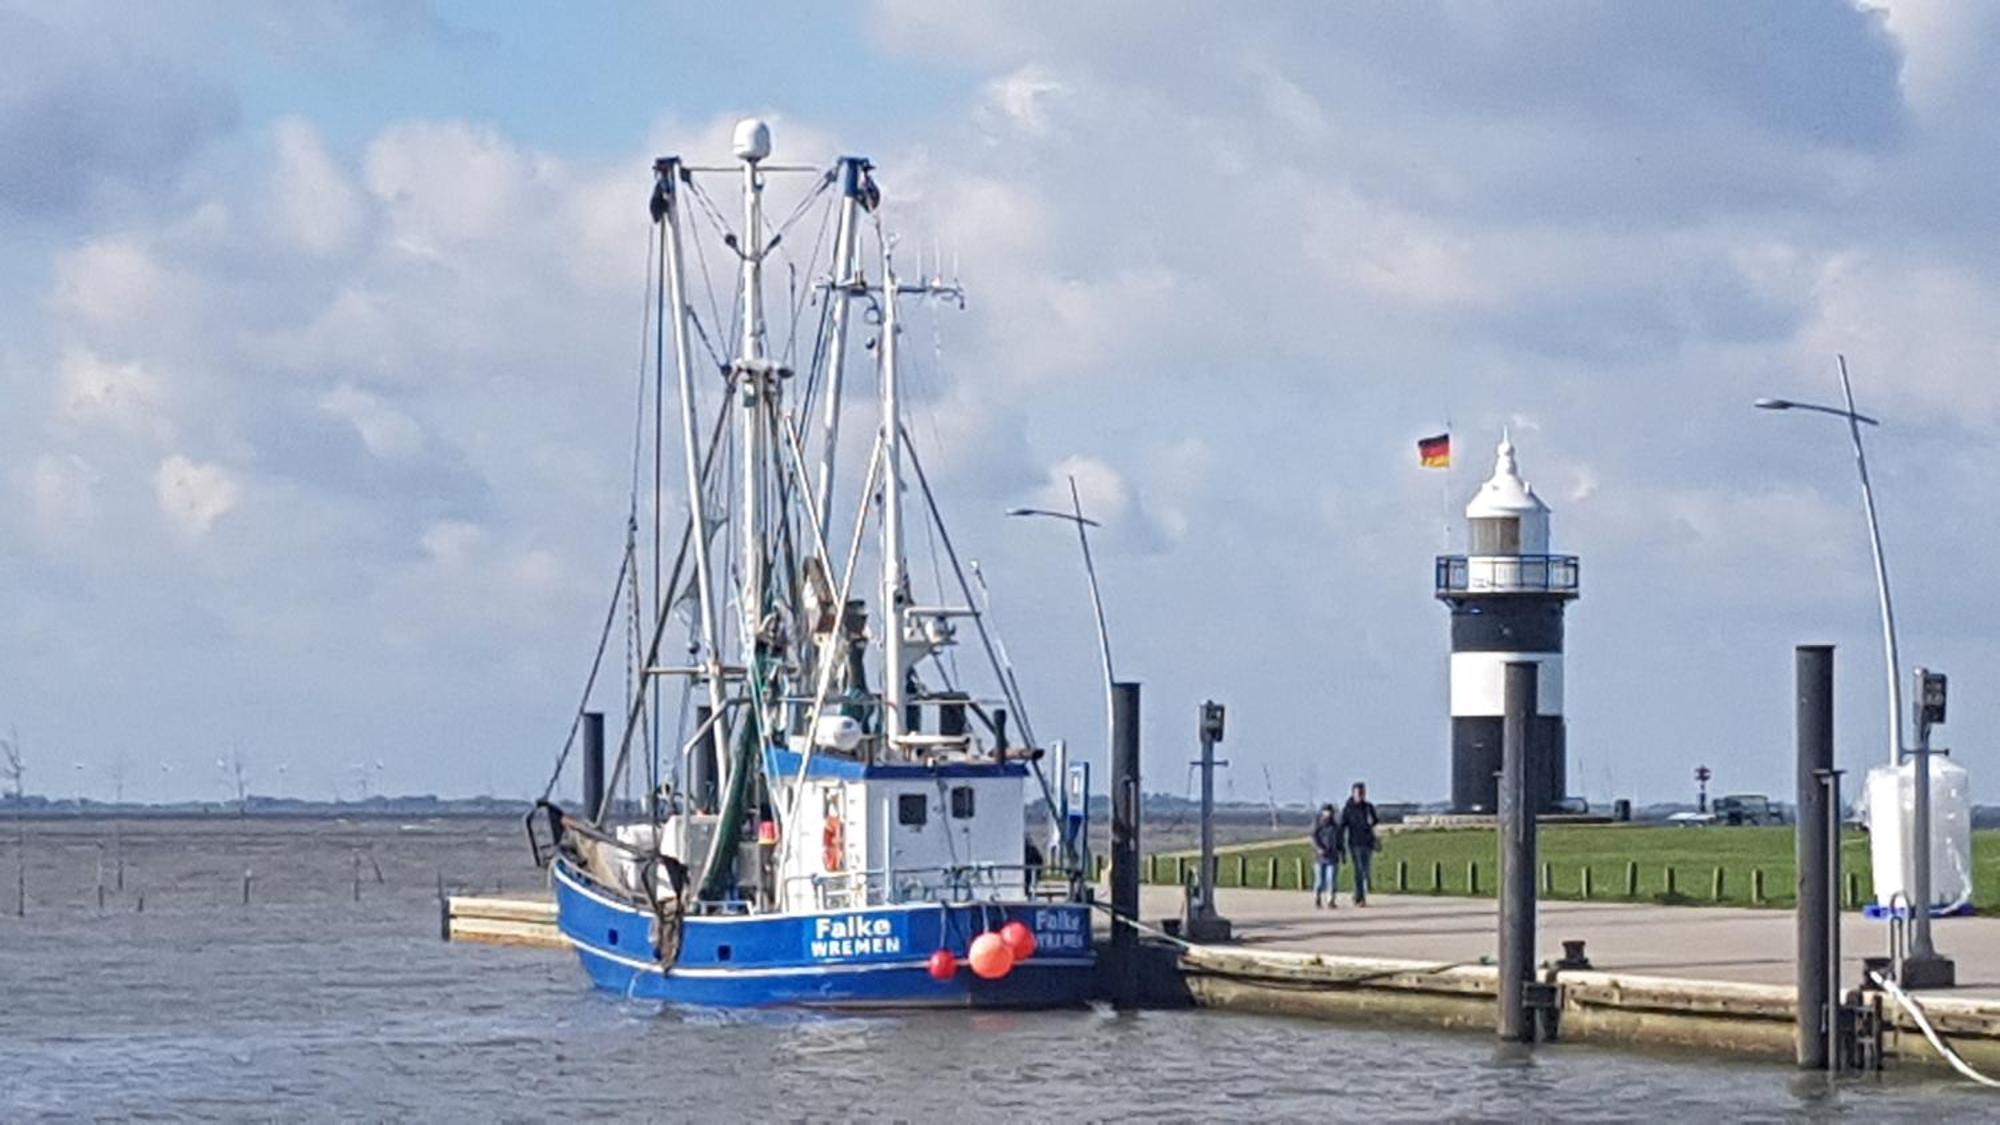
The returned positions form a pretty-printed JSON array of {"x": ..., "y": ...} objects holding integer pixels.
[
  {"x": 1326, "y": 848},
  {"x": 1357, "y": 839}
]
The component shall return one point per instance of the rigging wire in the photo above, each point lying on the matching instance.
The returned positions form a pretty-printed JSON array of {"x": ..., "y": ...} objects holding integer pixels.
[
  {"x": 632, "y": 507},
  {"x": 590, "y": 681}
]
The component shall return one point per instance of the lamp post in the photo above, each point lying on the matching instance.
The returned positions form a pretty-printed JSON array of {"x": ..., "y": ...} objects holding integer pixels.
[
  {"x": 1075, "y": 516},
  {"x": 1923, "y": 967},
  {"x": 1854, "y": 423}
]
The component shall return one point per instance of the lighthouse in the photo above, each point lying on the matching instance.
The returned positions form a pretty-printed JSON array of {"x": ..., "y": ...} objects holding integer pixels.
[{"x": 1506, "y": 595}]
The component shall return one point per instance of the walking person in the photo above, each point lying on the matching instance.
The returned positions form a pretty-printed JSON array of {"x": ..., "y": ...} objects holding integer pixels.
[
  {"x": 1357, "y": 839},
  {"x": 1327, "y": 846}
]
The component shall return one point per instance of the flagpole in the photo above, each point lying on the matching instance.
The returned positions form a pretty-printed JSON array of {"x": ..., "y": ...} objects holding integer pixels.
[{"x": 1450, "y": 467}]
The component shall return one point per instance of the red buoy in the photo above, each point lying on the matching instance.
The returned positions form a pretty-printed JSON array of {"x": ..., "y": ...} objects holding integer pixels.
[
  {"x": 943, "y": 965},
  {"x": 990, "y": 957},
  {"x": 1020, "y": 940}
]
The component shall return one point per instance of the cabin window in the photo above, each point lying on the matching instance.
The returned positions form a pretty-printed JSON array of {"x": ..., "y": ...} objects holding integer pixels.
[
  {"x": 961, "y": 802},
  {"x": 913, "y": 810}
]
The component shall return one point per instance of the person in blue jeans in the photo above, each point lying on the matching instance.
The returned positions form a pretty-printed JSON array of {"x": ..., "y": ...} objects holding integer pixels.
[
  {"x": 1357, "y": 839},
  {"x": 1327, "y": 846}
]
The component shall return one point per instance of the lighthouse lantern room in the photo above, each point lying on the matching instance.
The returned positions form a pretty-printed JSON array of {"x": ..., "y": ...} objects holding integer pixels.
[{"x": 1506, "y": 595}]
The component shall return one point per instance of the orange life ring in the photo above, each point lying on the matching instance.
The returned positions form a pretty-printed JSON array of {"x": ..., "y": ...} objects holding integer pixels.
[{"x": 834, "y": 840}]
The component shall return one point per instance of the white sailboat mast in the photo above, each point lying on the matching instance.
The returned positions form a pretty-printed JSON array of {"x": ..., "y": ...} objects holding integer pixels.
[
  {"x": 895, "y": 664},
  {"x": 668, "y": 170},
  {"x": 846, "y": 282}
]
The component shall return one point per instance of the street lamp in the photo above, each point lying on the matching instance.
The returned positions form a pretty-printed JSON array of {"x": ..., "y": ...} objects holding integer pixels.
[
  {"x": 1854, "y": 423},
  {"x": 1922, "y": 967},
  {"x": 1075, "y": 516}
]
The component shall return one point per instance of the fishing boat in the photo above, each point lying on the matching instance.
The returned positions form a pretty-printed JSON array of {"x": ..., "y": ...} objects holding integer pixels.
[{"x": 838, "y": 817}]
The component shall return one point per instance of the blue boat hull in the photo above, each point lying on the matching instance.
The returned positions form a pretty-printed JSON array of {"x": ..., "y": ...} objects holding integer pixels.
[{"x": 873, "y": 957}]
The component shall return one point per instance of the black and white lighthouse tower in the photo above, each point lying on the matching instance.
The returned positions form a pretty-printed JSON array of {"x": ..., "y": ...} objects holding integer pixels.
[{"x": 1506, "y": 594}]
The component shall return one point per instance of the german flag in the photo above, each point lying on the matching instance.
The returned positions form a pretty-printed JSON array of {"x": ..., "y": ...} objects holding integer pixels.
[{"x": 1435, "y": 452}]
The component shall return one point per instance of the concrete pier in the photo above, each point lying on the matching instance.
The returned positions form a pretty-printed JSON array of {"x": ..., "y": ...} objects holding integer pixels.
[{"x": 1706, "y": 978}]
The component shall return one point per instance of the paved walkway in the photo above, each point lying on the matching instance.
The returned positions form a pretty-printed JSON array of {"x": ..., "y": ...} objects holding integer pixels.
[{"x": 1697, "y": 942}]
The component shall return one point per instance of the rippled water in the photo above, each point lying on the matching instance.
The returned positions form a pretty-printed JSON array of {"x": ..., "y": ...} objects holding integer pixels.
[{"x": 308, "y": 1005}]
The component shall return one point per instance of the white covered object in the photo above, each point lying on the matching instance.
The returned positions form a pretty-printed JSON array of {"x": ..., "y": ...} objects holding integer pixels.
[{"x": 1891, "y": 799}]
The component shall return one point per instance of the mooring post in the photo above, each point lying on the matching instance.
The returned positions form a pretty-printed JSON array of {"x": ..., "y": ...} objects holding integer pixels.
[
  {"x": 1813, "y": 673},
  {"x": 593, "y": 764},
  {"x": 1517, "y": 854},
  {"x": 246, "y": 886},
  {"x": 1125, "y": 844}
]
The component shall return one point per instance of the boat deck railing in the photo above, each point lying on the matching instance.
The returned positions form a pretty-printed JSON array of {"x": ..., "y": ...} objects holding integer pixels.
[{"x": 958, "y": 883}]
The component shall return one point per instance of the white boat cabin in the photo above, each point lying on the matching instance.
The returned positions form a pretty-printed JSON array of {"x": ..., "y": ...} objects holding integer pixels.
[{"x": 868, "y": 835}]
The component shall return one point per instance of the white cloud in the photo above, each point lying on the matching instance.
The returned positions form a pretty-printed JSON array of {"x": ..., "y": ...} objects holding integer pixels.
[
  {"x": 123, "y": 396},
  {"x": 193, "y": 495},
  {"x": 454, "y": 545},
  {"x": 1024, "y": 101},
  {"x": 385, "y": 430},
  {"x": 448, "y": 182},
  {"x": 314, "y": 205},
  {"x": 114, "y": 282}
]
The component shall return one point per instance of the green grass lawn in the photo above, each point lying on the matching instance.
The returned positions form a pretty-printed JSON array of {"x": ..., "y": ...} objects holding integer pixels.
[{"x": 1441, "y": 861}]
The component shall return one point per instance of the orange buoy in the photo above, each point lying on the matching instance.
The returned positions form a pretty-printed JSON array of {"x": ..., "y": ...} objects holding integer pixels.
[
  {"x": 1020, "y": 940},
  {"x": 990, "y": 957},
  {"x": 943, "y": 965}
]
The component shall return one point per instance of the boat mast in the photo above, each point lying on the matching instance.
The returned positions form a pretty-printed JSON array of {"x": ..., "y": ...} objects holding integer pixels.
[
  {"x": 895, "y": 664},
  {"x": 668, "y": 170},
  {"x": 846, "y": 283},
  {"x": 753, "y": 144}
]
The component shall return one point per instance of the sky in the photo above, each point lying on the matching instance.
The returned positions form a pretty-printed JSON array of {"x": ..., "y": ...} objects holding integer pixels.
[{"x": 319, "y": 326}]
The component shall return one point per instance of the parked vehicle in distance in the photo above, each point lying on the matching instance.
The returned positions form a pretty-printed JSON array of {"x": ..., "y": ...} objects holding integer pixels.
[{"x": 1746, "y": 808}]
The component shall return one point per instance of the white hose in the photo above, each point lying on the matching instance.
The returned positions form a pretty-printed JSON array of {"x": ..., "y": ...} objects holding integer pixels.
[{"x": 1924, "y": 1025}]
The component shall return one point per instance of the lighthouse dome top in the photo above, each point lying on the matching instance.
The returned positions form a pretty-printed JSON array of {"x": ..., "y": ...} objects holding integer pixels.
[{"x": 1505, "y": 493}]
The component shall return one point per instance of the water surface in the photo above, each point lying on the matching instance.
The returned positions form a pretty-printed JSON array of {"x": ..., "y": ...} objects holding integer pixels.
[{"x": 309, "y": 1005}]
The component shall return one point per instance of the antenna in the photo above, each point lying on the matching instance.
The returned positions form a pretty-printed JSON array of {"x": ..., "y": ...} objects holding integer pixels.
[{"x": 1271, "y": 798}]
